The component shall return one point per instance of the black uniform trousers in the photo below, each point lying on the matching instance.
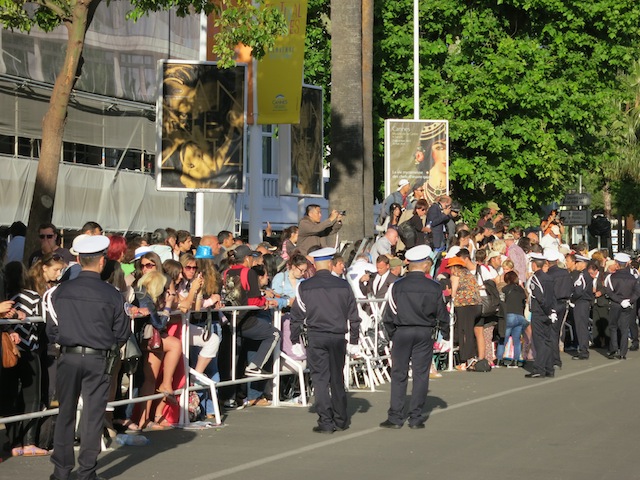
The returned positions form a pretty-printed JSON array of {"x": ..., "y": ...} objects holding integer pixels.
[
  {"x": 557, "y": 330},
  {"x": 543, "y": 337},
  {"x": 619, "y": 320},
  {"x": 325, "y": 357},
  {"x": 80, "y": 375},
  {"x": 415, "y": 345},
  {"x": 581, "y": 320}
]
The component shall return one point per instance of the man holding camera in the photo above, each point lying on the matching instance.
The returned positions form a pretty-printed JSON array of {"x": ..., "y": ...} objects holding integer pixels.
[
  {"x": 438, "y": 215},
  {"x": 312, "y": 231}
]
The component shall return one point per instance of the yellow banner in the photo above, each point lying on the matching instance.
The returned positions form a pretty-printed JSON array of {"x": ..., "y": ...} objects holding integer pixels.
[{"x": 280, "y": 71}]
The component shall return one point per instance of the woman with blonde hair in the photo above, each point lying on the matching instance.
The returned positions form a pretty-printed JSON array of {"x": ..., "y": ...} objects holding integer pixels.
[
  {"x": 156, "y": 293},
  {"x": 467, "y": 304}
]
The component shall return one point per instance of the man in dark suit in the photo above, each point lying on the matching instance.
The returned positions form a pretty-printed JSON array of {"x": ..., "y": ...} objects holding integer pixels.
[
  {"x": 379, "y": 285},
  {"x": 438, "y": 215}
]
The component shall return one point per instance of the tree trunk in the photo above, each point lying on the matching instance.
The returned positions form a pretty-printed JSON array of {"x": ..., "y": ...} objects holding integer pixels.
[
  {"x": 53, "y": 123},
  {"x": 606, "y": 198},
  {"x": 351, "y": 171}
]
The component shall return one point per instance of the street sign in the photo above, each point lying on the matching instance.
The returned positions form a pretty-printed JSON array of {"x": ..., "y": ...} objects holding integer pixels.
[
  {"x": 576, "y": 200},
  {"x": 575, "y": 217}
]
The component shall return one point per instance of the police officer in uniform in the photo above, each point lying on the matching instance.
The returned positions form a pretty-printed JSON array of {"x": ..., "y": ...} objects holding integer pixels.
[
  {"x": 562, "y": 287},
  {"x": 582, "y": 298},
  {"x": 328, "y": 306},
  {"x": 542, "y": 300},
  {"x": 415, "y": 306},
  {"x": 86, "y": 317},
  {"x": 623, "y": 290}
]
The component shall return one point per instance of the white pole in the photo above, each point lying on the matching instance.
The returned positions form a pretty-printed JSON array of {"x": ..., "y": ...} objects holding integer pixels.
[
  {"x": 416, "y": 61},
  {"x": 199, "y": 196},
  {"x": 255, "y": 187}
]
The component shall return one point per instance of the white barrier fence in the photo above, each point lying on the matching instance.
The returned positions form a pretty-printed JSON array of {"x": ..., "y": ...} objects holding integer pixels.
[{"x": 374, "y": 363}]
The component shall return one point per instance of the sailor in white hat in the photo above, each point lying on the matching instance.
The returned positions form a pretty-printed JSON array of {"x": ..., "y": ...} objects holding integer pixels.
[
  {"x": 623, "y": 291},
  {"x": 415, "y": 306},
  {"x": 562, "y": 287},
  {"x": 327, "y": 305},
  {"x": 86, "y": 317},
  {"x": 542, "y": 301}
]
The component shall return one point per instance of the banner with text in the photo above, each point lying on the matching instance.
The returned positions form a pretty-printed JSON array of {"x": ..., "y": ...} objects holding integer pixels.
[
  {"x": 417, "y": 151},
  {"x": 280, "y": 71}
]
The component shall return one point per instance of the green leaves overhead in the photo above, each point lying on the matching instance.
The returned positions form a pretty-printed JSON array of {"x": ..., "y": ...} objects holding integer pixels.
[{"x": 527, "y": 86}]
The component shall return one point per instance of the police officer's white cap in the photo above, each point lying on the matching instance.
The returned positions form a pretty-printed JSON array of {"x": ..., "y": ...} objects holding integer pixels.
[
  {"x": 90, "y": 244},
  {"x": 321, "y": 254},
  {"x": 418, "y": 253},
  {"x": 537, "y": 256},
  {"x": 582, "y": 258},
  {"x": 622, "y": 257},
  {"x": 552, "y": 254}
]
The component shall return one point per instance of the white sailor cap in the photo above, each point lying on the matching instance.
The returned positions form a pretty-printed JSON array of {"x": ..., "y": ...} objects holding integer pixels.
[
  {"x": 622, "y": 257},
  {"x": 90, "y": 245},
  {"x": 321, "y": 254},
  {"x": 536, "y": 256},
  {"x": 582, "y": 258},
  {"x": 140, "y": 251},
  {"x": 552, "y": 254},
  {"x": 418, "y": 253}
]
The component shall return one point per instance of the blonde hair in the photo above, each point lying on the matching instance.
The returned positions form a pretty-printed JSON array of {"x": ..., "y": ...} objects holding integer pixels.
[
  {"x": 499, "y": 246},
  {"x": 154, "y": 284},
  {"x": 508, "y": 264}
]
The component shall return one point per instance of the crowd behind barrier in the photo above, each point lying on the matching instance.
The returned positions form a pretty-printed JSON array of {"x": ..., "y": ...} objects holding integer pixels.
[{"x": 472, "y": 265}]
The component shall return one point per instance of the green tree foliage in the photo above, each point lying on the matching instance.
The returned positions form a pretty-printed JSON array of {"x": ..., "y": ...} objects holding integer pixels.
[{"x": 526, "y": 84}]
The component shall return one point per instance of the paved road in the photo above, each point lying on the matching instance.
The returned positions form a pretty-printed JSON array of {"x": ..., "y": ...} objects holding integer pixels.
[{"x": 584, "y": 424}]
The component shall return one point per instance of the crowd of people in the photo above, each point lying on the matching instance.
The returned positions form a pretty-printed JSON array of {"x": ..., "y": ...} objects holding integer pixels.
[{"x": 511, "y": 292}]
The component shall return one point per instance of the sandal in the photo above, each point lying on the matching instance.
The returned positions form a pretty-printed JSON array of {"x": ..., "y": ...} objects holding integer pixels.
[
  {"x": 169, "y": 397},
  {"x": 153, "y": 426},
  {"x": 132, "y": 428},
  {"x": 33, "y": 451}
]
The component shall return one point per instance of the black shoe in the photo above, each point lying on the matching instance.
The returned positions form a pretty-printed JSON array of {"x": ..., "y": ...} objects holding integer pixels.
[
  {"x": 341, "y": 429},
  {"x": 512, "y": 364},
  {"x": 622, "y": 357},
  {"x": 634, "y": 348},
  {"x": 319, "y": 429},
  {"x": 611, "y": 355},
  {"x": 533, "y": 375},
  {"x": 255, "y": 372},
  {"x": 417, "y": 426},
  {"x": 550, "y": 375},
  {"x": 388, "y": 424},
  {"x": 558, "y": 366},
  {"x": 580, "y": 357}
]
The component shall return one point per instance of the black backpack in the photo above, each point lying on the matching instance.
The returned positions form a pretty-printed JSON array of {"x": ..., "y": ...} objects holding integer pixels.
[{"x": 407, "y": 234}]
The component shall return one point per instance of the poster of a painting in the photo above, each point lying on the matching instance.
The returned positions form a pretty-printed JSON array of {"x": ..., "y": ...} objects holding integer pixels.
[
  {"x": 306, "y": 145},
  {"x": 201, "y": 127},
  {"x": 418, "y": 151}
]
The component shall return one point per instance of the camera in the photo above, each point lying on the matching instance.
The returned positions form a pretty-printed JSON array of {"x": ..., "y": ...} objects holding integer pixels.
[{"x": 342, "y": 212}]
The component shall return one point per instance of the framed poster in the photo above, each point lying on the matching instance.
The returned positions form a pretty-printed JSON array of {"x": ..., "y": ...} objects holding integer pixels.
[
  {"x": 200, "y": 126},
  {"x": 418, "y": 151},
  {"x": 307, "y": 145}
]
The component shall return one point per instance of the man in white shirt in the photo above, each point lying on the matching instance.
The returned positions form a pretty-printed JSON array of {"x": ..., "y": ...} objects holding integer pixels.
[
  {"x": 551, "y": 239},
  {"x": 384, "y": 245}
]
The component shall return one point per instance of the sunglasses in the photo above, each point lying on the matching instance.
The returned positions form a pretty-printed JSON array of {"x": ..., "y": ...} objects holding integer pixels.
[
  {"x": 189, "y": 267},
  {"x": 55, "y": 257},
  {"x": 48, "y": 236},
  {"x": 148, "y": 265}
]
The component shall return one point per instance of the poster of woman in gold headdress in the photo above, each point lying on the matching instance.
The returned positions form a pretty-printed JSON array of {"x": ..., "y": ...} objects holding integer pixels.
[
  {"x": 201, "y": 118},
  {"x": 417, "y": 150}
]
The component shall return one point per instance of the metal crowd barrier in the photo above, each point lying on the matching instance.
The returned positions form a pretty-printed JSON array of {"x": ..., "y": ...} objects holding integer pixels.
[{"x": 372, "y": 361}]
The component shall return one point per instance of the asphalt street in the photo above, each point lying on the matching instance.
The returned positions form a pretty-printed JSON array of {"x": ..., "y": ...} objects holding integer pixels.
[{"x": 582, "y": 424}]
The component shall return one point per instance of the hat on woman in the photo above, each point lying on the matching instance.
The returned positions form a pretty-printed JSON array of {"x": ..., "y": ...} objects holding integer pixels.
[{"x": 204, "y": 252}]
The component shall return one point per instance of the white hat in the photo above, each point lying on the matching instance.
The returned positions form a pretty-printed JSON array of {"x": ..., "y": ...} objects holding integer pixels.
[
  {"x": 402, "y": 183},
  {"x": 90, "y": 244},
  {"x": 552, "y": 254},
  {"x": 582, "y": 258},
  {"x": 418, "y": 253},
  {"x": 622, "y": 257},
  {"x": 326, "y": 253},
  {"x": 536, "y": 256},
  {"x": 493, "y": 254},
  {"x": 140, "y": 251},
  {"x": 555, "y": 229},
  {"x": 77, "y": 239},
  {"x": 368, "y": 267}
]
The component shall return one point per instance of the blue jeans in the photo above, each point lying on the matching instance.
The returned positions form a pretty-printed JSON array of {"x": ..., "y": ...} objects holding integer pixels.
[{"x": 515, "y": 324}]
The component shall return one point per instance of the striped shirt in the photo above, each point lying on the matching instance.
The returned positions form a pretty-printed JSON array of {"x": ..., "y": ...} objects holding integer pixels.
[{"x": 29, "y": 302}]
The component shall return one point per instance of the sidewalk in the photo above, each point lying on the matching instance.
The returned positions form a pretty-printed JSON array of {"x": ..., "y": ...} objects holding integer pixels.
[{"x": 498, "y": 425}]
